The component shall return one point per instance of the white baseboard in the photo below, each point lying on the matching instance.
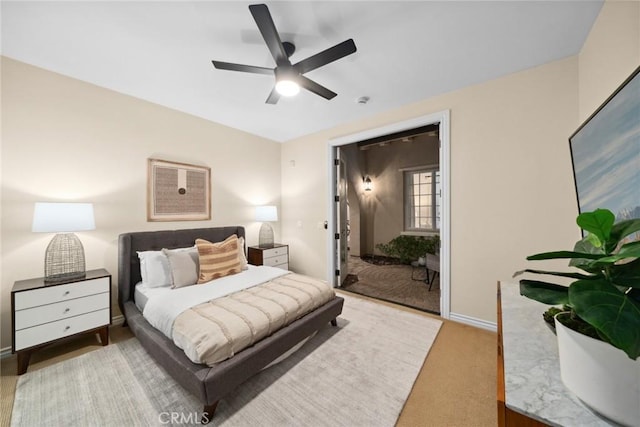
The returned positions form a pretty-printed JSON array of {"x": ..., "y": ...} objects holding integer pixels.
[
  {"x": 115, "y": 321},
  {"x": 5, "y": 352},
  {"x": 472, "y": 321}
]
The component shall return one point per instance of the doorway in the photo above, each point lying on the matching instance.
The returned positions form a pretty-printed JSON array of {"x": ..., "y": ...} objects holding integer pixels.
[{"x": 349, "y": 234}]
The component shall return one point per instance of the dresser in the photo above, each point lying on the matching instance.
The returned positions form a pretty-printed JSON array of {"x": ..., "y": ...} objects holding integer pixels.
[
  {"x": 45, "y": 313},
  {"x": 274, "y": 256},
  {"x": 530, "y": 391}
]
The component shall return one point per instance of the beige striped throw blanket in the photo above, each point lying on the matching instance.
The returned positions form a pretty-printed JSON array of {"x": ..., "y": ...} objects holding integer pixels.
[{"x": 216, "y": 330}]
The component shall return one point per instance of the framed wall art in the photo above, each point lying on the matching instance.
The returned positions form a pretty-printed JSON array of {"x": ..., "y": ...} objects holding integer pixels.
[
  {"x": 178, "y": 191},
  {"x": 605, "y": 152}
]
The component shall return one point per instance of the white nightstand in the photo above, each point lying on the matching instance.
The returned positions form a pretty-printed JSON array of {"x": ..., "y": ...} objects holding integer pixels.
[
  {"x": 274, "y": 256},
  {"x": 45, "y": 313}
]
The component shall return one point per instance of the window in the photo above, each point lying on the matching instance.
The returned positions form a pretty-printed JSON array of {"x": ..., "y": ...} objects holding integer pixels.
[{"x": 422, "y": 199}]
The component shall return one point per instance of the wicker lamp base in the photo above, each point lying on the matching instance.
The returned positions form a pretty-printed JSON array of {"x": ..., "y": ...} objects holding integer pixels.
[
  {"x": 265, "y": 238},
  {"x": 64, "y": 259}
]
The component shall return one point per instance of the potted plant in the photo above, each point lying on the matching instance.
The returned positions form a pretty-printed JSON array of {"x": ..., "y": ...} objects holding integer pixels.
[
  {"x": 598, "y": 324},
  {"x": 410, "y": 248}
]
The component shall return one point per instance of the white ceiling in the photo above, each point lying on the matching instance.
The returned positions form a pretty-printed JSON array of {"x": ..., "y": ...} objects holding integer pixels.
[{"x": 407, "y": 51}]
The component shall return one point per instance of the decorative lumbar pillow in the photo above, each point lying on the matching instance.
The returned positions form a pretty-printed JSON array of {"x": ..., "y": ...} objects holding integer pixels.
[
  {"x": 218, "y": 259},
  {"x": 184, "y": 266}
]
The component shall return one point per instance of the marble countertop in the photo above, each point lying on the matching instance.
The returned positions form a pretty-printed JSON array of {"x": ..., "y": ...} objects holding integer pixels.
[{"x": 531, "y": 369}]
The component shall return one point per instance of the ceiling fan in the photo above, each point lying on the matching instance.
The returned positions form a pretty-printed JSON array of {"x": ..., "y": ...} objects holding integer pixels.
[{"x": 289, "y": 77}]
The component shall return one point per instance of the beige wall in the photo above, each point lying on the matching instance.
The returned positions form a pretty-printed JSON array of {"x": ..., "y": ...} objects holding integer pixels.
[
  {"x": 609, "y": 55},
  {"x": 512, "y": 192},
  {"x": 384, "y": 215},
  {"x": 65, "y": 140},
  {"x": 511, "y": 179},
  {"x": 511, "y": 185},
  {"x": 378, "y": 216}
]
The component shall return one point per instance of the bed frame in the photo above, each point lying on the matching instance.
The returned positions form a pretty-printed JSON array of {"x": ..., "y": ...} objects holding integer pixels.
[{"x": 209, "y": 384}]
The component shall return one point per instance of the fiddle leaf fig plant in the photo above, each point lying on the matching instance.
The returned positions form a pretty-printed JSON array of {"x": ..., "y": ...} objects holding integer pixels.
[{"x": 606, "y": 294}]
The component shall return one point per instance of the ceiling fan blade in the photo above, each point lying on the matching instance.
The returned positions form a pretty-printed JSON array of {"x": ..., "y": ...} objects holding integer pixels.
[
  {"x": 334, "y": 53},
  {"x": 269, "y": 33},
  {"x": 274, "y": 96},
  {"x": 314, "y": 87},
  {"x": 240, "y": 67}
]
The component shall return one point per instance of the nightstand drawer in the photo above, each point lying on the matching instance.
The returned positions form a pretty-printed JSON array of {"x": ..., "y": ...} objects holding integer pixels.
[
  {"x": 275, "y": 261},
  {"x": 30, "y": 337},
  {"x": 53, "y": 294},
  {"x": 273, "y": 252},
  {"x": 61, "y": 310},
  {"x": 277, "y": 256},
  {"x": 44, "y": 312}
]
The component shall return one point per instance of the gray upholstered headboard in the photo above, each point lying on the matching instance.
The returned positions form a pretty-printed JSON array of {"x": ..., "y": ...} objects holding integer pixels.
[{"x": 130, "y": 243}]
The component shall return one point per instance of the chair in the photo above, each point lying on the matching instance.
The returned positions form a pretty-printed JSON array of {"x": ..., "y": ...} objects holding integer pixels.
[{"x": 432, "y": 264}]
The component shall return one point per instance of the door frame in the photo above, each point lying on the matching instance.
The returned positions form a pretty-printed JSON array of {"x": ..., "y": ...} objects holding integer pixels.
[
  {"x": 441, "y": 117},
  {"x": 342, "y": 247}
]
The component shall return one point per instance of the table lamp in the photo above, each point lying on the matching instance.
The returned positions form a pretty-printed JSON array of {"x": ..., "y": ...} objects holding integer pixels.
[
  {"x": 64, "y": 257},
  {"x": 266, "y": 214}
]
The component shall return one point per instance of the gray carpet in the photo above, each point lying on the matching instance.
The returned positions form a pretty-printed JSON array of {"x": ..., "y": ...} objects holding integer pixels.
[
  {"x": 394, "y": 283},
  {"x": 358, "y": 374}
]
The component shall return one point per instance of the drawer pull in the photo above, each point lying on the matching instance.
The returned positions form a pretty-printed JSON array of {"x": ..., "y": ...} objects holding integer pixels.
[
  {"x": 66, "y": 293},
  {"x": 66, "y": 328},
  {"x": 66, "y": 310}
]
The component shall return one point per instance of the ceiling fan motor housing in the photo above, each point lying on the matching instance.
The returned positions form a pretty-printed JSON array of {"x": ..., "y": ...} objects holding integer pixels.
[{"x": 289, "y": 48}]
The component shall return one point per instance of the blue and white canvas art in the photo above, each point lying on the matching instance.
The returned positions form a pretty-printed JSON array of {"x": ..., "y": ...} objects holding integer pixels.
[{"x": 606, "y": 154}]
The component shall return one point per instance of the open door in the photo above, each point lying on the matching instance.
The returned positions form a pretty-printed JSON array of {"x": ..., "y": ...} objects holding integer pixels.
[
  {"x": 337, "y": 253},
  {"x": 342, "y": 220}
]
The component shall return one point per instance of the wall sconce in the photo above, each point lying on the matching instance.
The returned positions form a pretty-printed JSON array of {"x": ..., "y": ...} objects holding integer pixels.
[
  {"x": 367, "y": 183},
  {"x": 64, "y": 257}
]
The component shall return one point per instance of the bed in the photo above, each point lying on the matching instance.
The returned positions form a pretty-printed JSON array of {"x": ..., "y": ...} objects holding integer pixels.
[{"x": 209, "y": 384}]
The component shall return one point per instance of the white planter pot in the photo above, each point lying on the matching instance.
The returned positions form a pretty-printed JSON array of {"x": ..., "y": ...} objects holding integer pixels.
[{"x": 602, "y": 376}]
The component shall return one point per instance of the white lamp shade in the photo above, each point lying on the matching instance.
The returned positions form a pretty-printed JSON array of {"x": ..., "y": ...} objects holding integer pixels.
[
  {"x": 63, "y": 217},
  {"x": 266, "y": 213}
]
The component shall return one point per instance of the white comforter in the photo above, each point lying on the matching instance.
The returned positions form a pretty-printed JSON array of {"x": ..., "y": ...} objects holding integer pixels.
[{"x": 162, "y": 310}]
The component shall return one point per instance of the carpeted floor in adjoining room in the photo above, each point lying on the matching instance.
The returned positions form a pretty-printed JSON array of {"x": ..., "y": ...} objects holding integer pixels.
[{"x": 393, "y": 283}]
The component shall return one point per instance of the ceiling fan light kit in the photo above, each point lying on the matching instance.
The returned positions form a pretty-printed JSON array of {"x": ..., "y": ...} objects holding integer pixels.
[
  {"x": 286, "y": 84},
  {"x": 288, "y": 77},
  {"x": 287, "y": 87}
]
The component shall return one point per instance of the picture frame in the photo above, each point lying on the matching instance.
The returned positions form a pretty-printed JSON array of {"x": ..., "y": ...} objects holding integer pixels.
[
  {"x": 605, "y": 154},
  {"x": 178, "y": 191}
]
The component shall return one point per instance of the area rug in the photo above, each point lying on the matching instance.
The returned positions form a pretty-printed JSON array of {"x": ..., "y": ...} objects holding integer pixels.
[{"x": 358, "y": 374}]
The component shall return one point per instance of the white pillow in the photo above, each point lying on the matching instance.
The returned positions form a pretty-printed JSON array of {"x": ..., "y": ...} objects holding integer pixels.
[
  {"x": 184, "y": 266},
  {"x": 241, "y": 255},
  {"x": 155, "y": 269}
]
